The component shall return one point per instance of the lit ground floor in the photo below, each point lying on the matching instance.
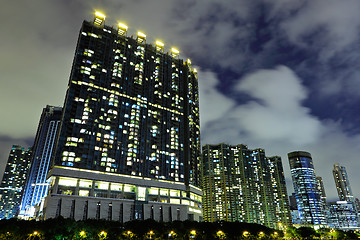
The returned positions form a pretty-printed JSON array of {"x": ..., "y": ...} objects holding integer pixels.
[{"x": 85, "y": 194}]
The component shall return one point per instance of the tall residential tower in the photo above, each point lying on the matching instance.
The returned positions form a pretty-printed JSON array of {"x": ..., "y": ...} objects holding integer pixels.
[
  {"x": 129, "y": 141},
  {"x": 13, "y": 181},
  {"x": 37, "y": 185},
  {"x": 241, "y": 184},
  {"x": 307, "y": 193},
  {"x": 342, "y": 183}
]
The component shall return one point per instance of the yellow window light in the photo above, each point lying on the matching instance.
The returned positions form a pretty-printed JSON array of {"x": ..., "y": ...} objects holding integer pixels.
[
  {"x": 123, "y": 26},
  {"x": 195, "y": 70},
  {"x": 160, "y": 44},
  {"x": 174, "y": 50},
  {"x": 100, "y": 15},
  {"x": 142, "y": 35},
  {"x": 188, "y": 61}
]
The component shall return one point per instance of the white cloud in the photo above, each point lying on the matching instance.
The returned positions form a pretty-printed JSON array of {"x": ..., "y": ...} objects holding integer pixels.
[
  {"x": 338, "y": 23},
  {"x": 213, "y": 104},
  {"x": 276, "y": 113}
]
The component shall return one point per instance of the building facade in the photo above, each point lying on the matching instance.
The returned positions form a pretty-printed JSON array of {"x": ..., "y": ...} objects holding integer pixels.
[
  {"x": 342, "y": 215},
  {"x": 13, "y": 181},
  {"x": 37, "y": 185},
  {"x": 342, "y": 183},
  {"x": 282, "y": 211},
  {"x": 307, "y": 194},
  {"x": 222, "y": 198},
  {"x": 133, "y": 110},
  {"x": 241, "y": 184}
]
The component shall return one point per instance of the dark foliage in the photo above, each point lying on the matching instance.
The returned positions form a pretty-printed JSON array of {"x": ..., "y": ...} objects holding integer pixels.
[{"x": 67, "y": 229}]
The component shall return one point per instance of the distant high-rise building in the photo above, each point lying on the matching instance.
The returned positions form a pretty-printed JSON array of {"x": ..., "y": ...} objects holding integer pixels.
[
  {"x": 222, "y": 194},
  {"x": 129, "y": 141},
  {"x": 240, "y": 184},
  {"x": 13, "y": 181},
  {"x": 282, "y": 211},
  {"x": 321, "y": 188},
  {"x": 307, "y": 194},
  {"x": 357, "y": 204},
  {"x": 37, "y": 185},
  {"x": 342, "y": 183}
]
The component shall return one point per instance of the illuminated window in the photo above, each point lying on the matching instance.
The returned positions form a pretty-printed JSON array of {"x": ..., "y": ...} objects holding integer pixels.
[
  {"x": 70, "y": 182},
  {"x": 85, "y": 183},
  {"x": 84, "y": 193},
  {"x": 102, "y": 185}
]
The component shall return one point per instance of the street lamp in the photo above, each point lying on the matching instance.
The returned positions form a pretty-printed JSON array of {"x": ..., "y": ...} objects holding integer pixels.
[
  {"x": 128, "y": 234},
  {"x": 261, "y": 234},
  {"x": 151, "y": 234},
  {"x": 220, "y": 234},
  {"x": 102, "y": 235},
  {"x": 172, "y": 234},
  {"x": 82, "y": 234},
  {"x": 34, "y": 235},
  {"x": 246, "y": 234},
  {"x": 192, "y": 234}
]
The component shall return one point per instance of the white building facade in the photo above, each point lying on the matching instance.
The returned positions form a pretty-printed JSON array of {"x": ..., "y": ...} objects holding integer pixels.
[{"x": 97, "y": 195}]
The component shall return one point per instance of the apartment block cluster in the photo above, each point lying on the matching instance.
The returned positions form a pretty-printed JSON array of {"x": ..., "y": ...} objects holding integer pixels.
[{"x": 126, "y": 145}]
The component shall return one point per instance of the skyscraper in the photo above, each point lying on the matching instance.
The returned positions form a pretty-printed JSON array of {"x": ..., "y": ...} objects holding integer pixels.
[
  {"x": 241, "y": 184},
  {"x": 342, "y": 183},
  {"x": 129, "y": 142},
  {"x": 222, "y": 199},
  {"x": 307, "y": 194},
  {"x": 13, "y": 181},
  {"x": 321, "y": 188},
  {"x": 37, "y": 185},
  {"x": 282, "y": 210}
]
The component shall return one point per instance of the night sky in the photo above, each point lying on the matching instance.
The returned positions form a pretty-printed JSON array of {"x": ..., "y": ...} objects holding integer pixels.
[{"x": 281, "y": 75}]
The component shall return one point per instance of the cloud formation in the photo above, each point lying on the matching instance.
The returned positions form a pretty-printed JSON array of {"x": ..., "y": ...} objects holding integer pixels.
[{"x": 275, "y": 112}]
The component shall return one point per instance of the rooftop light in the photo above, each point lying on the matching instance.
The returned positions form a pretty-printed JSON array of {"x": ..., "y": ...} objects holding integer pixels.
[
  {"x": 140, "y": 34},
  {"x": 123, "y": 26},
  {"x": 100, "y": 15},
  {"x": 174, "y": 50},
  {"x": 158, "y": 43}
]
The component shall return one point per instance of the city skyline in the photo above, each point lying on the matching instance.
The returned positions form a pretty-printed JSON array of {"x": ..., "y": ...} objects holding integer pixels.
[{"x": 235, "y": 48}]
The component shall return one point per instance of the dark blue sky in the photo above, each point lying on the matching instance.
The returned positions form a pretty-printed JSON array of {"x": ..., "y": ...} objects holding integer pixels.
[{"x": 282, "y": 75}]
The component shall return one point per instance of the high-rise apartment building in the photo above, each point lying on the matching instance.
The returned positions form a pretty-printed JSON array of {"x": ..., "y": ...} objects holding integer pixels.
[
  {"x": 37, "y": 185},
  {"x": 13, "y": 181},
  {"x": 241, "y": 184},
  {"x": 222, "y": 198},
  {"x": 129, "y": 141},
  {"x": 321, "y": 188},
  {"x": 282, "y": 208},
  {"x": 307, "y": 194},
  {"x": 357, "y": 204},
  {"x": 342, "y": 183}
]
